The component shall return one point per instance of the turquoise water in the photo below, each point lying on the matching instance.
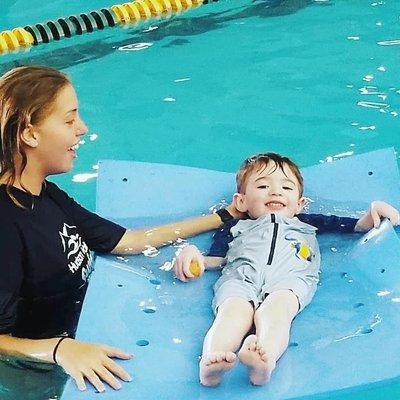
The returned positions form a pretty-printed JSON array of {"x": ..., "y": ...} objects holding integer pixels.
[{"x": 316, "y": 80}]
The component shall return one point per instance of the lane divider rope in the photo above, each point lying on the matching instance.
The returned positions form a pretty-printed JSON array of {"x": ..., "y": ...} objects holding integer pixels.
[{"x": 119, "y": 14}]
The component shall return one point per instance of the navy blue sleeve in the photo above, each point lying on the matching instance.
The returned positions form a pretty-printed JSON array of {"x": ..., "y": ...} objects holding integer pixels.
[
  {"x": 11, "y": 274},
  {"x": 221, "y": 240},
  {"x": 329, "y": 223},
  {"x": 100, "y": 234}
]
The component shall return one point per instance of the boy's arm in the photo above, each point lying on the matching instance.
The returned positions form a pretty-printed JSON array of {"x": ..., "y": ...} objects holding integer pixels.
[
  {"x": 214, "y": 259},
  {"x": 183, "y": 263},
  {"x": 335, "y": 224},
  {"x": 329, "y": 223},
  {"x": 377, "y": 211},
  {"x": 214, "y": 262}
]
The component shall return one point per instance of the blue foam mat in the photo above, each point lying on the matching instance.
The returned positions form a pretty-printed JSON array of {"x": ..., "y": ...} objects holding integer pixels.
[{"x": 346, "y": 338}]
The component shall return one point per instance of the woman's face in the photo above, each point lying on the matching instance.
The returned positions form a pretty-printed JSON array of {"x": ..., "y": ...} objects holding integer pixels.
[{"x": 58, "y": 134}]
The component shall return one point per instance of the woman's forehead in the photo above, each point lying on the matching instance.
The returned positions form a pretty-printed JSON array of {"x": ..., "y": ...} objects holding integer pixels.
[{"x": 66, "y": 101}]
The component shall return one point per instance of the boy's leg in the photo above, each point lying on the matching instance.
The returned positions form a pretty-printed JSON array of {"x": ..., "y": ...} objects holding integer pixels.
[
  {"x": 273, "y": 320},
  {"x": 233, "y": 320}
]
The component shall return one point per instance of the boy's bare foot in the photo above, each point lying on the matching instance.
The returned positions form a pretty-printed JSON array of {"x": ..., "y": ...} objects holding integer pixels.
[
  {"x": 214, "y": 365},
  {"x": 254, "y": 356}
]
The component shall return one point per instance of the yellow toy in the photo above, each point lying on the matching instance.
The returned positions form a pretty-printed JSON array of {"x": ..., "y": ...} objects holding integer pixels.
[{"x": 194, "y": 268}]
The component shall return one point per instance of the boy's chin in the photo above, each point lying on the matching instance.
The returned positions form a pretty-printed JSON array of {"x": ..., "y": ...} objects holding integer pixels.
[{"x": 284, "y": 213}]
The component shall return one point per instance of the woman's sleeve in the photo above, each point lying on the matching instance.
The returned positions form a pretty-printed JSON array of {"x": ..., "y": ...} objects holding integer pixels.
[
  {"x": 11, "y": 274},
  {"x": 100, "y": 234}
]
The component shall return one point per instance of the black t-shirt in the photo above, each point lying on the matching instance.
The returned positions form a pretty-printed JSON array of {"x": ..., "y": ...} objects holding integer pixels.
[
  {"x": 46, "y": 260},
  {"x": 324, "y": 223}
]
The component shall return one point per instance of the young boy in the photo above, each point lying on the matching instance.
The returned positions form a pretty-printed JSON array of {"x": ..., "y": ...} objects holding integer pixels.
[{"x": 272, "y": 267}]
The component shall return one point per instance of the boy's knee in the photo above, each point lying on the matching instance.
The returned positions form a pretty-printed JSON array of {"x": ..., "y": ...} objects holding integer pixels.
[
  {"x": 283, "y": 304},
  {"x": 235, "y": 306}
]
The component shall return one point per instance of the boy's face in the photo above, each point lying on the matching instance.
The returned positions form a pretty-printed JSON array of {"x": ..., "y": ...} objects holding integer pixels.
[{"x": 270, "y": 190}]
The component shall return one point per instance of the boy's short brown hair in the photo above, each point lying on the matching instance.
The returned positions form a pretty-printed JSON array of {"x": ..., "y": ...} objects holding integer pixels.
[{"x": 259, "y": 162}]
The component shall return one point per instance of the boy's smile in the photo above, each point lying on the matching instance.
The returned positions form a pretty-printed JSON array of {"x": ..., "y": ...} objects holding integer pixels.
[{"x": 271, "y": 190}]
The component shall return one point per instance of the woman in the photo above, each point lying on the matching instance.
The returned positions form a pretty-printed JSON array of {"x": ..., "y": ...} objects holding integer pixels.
[{"x": 46, "y": 237}]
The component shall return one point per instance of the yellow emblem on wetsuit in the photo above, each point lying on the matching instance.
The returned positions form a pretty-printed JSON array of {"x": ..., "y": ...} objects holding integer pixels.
[{"x": 303, "y": 251}]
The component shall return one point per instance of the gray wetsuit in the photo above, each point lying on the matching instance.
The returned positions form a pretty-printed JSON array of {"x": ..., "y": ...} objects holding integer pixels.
[{"x": 268, "y": 254}]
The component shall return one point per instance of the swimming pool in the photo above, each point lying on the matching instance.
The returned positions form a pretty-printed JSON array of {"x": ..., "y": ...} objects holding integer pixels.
[{"x": 316, "y": 80}]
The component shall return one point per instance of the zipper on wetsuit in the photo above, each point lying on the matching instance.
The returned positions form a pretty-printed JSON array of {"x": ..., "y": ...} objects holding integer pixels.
[{"x": 273, "y": 241}]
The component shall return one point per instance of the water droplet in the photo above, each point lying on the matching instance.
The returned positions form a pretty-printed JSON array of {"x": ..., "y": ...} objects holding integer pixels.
[
  {"x": 343, "y": 274},
  {"x": 151, "y": 251},
  {"x": 142, "y": 342},
  {"x": 293, "y": 344},
  {"x": 154, "y": 281},
  {"x": 383, "y": 270},
  {"x": 367, "y": 128},
  {"x": 181, "y": 80},
  {"x": 177, "y": 340},
  {"x": 396, "y": 299},
  {"x": 81, "y": 178},
  {"x": 135, "y": 46},
  {"x": 358, "y": 305},
  {"x": 167, "y": 266},
  {"x": 120, "y": 285},
  {"x": 368, "y": 78}
]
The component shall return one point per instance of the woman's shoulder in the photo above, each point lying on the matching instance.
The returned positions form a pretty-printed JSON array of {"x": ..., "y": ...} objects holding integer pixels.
[
  {"x": 10, "y": 213},
  {"x": 8, "y": 209}
]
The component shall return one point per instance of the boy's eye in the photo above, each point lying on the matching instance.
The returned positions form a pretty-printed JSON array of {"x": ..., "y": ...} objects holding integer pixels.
[
  {"x": 70, "y": 122},
  {"x": 287, "y": 188},
  {"x": 262, "y": 187}
]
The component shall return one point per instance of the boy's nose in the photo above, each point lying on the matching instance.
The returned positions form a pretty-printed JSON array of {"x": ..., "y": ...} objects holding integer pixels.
[{"x": 275, "y": 190}]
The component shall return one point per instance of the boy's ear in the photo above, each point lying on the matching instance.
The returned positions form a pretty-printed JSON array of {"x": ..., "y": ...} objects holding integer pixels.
[
  {"x": 29, "y": 136},
  {"x": 239, "y": 202},
  {"x": 301, "y": 203}
]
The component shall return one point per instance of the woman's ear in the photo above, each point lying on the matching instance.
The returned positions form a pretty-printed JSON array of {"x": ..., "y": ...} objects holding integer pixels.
[
  {"x": 239, "y": 202},
  {"x": 29, "y": 136}
]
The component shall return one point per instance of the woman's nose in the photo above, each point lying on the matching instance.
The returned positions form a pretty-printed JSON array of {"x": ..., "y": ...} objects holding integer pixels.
[{"x": 82, "y": 128}]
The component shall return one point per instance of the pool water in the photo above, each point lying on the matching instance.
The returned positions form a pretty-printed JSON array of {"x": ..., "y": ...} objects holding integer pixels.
[{"x": 315, "y": 80}]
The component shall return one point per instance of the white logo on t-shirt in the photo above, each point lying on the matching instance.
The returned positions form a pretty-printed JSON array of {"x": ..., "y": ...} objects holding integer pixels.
[{"x": 77, "y": 251}]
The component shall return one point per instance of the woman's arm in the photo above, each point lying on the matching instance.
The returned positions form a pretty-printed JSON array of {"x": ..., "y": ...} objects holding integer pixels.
[
  {"x": 79, "y": 359},
  {"x": 135, "y": 241}
]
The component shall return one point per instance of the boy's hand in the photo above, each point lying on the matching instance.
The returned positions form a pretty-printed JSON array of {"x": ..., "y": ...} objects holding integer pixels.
[
  {"x": 377, "y": 211},
  {"x": 183, "y": 260}
]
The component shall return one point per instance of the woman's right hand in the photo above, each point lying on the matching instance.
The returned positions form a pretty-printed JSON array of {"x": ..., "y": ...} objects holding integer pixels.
[
  {"x": 183, "y": 260},
  {"x": 93, "y": 362},
  {"x": 236, "y": 214}
]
